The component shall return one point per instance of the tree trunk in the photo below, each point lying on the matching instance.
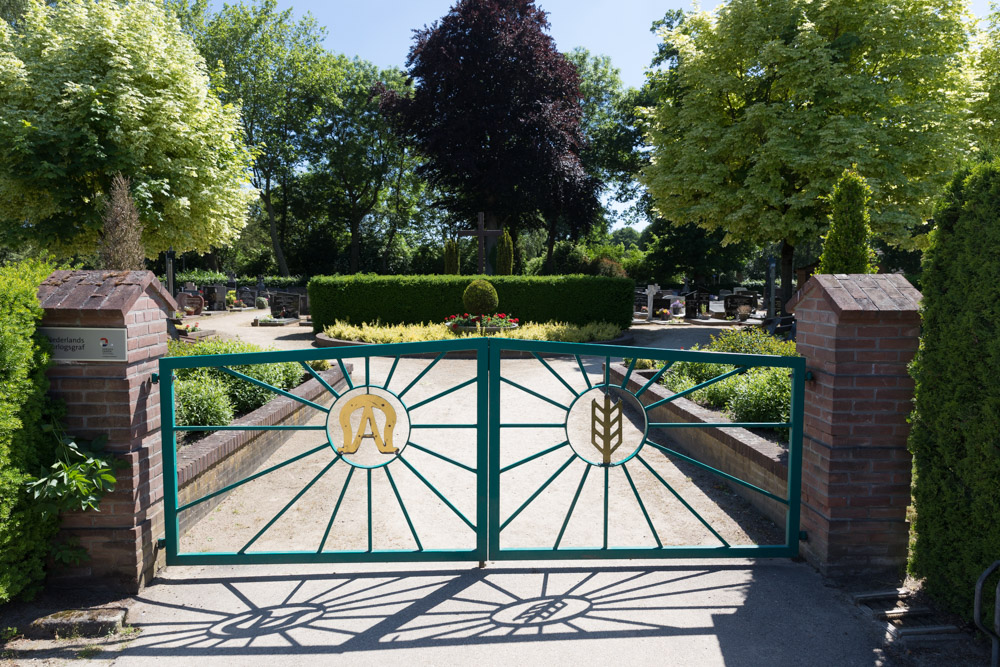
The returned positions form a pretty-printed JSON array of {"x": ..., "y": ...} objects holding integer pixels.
[
  {"x": 279, "y": 255},
  {"x": 355, "y": 244},
  {"x": 518, "y": 257},
  {"x": 388, "y": 247},
  {"x": 787, "y": 274}
]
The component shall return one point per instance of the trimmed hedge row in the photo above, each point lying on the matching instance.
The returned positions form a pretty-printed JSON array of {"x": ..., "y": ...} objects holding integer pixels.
[
  {"x": 415, "y": 299},
  {"x": 955, "y": 438},
  {"x": 25, "y": 450}
]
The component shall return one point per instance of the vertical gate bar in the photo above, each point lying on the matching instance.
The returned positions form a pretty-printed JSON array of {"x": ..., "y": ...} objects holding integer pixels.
[
  {"x": 368, "y": 372},
  {"x": 488, "y": 403},
  {"x": 572, "y": 505},
  {"x": 169, "y": 452},
  {"x": 369, "y": 471},
  {"x": 579, "y": 362},
  {"x": 336, "y": 508},
  {"x": 388, "y": 378},
  {"x": 607, "y": 371},
  {"x": 607, "y": 469},
  {"x": 795, "y": 458}
]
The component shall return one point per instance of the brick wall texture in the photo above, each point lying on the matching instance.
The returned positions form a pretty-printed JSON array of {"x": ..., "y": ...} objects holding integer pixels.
[{"x": 858, "y": 333}]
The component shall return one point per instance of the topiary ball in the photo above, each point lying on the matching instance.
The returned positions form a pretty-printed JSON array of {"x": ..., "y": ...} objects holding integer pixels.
[{"x": 480, "y": 297}]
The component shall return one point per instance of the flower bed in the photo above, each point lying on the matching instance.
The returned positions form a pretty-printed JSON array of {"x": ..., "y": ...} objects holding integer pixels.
[{"x": 412, "y": 333}]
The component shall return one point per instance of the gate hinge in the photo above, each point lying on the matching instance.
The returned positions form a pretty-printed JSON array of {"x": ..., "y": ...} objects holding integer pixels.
[
  {"x": 161, "y": 542},
  {"x": 803, "y": 536},
  {"x": 156, "y": 378},
  {"x": 809, "y": 377}
]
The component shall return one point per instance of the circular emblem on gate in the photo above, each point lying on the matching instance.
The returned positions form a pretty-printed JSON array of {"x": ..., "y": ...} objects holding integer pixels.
[
  {"x": 542, "y": 611},
  {"x": 606, "y": 426},
  {"x": 267, "y": 621},
  {"x": 368, "y": 426}
]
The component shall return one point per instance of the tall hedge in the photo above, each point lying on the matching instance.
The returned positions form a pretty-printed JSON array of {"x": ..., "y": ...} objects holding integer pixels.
[
  {"x": 847, "y": 246},
  {"x": 415, "y": 299},
  {"x": 955, "y": 437},
  {"x": 24, "y": 449}
]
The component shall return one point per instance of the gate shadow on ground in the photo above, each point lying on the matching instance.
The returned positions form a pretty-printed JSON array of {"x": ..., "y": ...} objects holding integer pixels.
[{"x": 710, "y": 606}]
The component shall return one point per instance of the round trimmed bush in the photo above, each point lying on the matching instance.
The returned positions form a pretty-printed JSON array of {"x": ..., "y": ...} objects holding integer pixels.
[
  {"x": 480, "y": 297},
  {"x": 260, "y": 303}
]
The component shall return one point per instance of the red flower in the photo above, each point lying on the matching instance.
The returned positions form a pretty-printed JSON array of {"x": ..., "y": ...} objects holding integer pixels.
[{"x": 501, "y": 315}]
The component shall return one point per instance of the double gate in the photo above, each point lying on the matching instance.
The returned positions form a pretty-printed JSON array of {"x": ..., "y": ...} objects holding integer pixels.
[{"x": 472, "y": 449}]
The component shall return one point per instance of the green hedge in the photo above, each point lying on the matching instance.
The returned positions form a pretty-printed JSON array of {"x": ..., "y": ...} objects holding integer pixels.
[
  {"x": 25, "y": 451},
  {"x": 955, "y": 437},
  {"x": 416, "y": 299}
]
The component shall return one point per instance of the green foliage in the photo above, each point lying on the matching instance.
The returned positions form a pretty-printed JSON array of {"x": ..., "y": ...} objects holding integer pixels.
[
  {"x": 505, "y": 255},
  {"x": 415, "y": 333},
  {"x": 91, "y": 89},
  {"x": 480, "y": 297},
  {"x": 764, "y": 105},
  {"x": 202, "y": 400},
  {"x": 573, "y": 299},
  {"x": 451, "y": 259},
  {"x": 847, "y": 246},
  {"x": 955, "y": 436},
  {"x": 243, "y": 396},
  {"x": 199, "y": 277},
  {"x": 80, "y": 477},
  {"x": 260, "y": 303},
  {"x": 25, "y": 531},
  {"x": 761, "y": 394}
]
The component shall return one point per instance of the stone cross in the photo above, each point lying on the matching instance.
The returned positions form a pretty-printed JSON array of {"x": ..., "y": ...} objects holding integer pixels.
[
  {"x": 651, "y": 291},
  {"x": 481, "y": 233}
]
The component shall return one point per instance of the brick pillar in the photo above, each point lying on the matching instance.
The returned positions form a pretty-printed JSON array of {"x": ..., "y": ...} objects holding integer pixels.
[
  {"x": 117, "y": 398},
  {"x": 857, "y": 333}
]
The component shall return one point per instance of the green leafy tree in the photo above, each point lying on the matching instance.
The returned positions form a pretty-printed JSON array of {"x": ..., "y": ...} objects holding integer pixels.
[
  {"x": 763, "y": 106},
  {"x": 505, "y": 255},
  {"x": 90, "y": 89},
  {"x": 847, "y": 246},
  {"x": 955, "y": 436},
  {"x": 451, "y": 259},
  {"x": 273, "y": 68}
]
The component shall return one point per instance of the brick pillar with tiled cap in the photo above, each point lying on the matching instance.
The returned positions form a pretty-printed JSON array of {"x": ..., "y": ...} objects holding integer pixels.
[
  {"x": 858, "y": 333},
  {"x": 116, "y": 397}
]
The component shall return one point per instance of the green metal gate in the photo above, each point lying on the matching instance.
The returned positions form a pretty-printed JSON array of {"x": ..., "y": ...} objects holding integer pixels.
[{"x": 511, "y": 466}]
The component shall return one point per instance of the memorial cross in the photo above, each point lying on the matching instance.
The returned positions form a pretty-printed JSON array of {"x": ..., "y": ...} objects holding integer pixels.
[
  {"x": 481, "y": 233},
  {"x": 651, "y": 291}
]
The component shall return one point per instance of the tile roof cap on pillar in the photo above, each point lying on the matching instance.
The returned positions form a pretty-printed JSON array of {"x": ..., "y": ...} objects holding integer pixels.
[
  {"x": 862, "y": 293},
  {"x": 93, "y": 291}
]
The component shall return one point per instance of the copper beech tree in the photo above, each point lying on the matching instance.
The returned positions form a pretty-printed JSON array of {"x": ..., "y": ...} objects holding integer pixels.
[{"x": 496, "y": 113}]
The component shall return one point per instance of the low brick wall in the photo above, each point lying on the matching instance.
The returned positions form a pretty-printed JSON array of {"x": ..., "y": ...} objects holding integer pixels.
[
  {"x": 226, "y": 457},
  {"x": 736, "y": 451}
]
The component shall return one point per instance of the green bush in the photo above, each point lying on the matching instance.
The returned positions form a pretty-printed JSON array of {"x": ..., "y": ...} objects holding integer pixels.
[
  {"x": 25, "y": 450},
  {"x": 202, "y": 400},
  {"x": 762, "y": 394},
  {"x": 847, "y": 246},
  {"x": 955, "y": 436},
  {"x": 505, "y": 255},
  {"x": 244, "y": 396},
  {"x": 260, "y": 303},
  {"x": 414, "y": 299},
  {"x": 480, "y": 298},
  {"x": 200, "y": 277}
]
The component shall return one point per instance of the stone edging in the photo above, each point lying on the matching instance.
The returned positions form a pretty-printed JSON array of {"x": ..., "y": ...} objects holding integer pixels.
[
  {"x": 322, "y": 340},
  {"x": 736, "y": 451}
]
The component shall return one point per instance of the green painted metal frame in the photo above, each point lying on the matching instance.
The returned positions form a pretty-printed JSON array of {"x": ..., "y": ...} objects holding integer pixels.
[
  {"x": 488, "y": 523},
  {"x": 743, "y": 362}
]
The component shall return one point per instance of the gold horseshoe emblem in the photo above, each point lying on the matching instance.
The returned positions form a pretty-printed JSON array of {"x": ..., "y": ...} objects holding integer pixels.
[{"x": 369, "y": 428}]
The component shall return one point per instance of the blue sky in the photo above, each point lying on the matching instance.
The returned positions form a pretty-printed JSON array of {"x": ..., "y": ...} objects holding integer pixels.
[{"x": 381, "y": 30}]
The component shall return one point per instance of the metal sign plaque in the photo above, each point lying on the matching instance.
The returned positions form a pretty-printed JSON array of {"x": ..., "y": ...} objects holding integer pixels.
[{"x": 86, "y": 344}]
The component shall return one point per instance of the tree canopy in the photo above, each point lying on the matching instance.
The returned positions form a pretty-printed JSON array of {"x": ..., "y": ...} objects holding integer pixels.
[
  {"x": 90, "y": 89},
  {"x": 767, "y": 103},
  {"x": 496, "y": 113}
]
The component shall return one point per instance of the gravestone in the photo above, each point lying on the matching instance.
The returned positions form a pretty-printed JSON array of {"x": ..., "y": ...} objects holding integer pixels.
[
  {"x": 247, "y": 296},
  {"x": 734, "y": 303},
  {"x": 215, "y": 297},
  {"x": 285, "y": 305},
  {"x": 651, "y": 292},
  {"x": 693, "y": 303},
  {"x": 185, "y": 300}
]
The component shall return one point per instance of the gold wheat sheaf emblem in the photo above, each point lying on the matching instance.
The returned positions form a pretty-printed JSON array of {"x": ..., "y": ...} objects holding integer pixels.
[{"x": 606, "y": 427}]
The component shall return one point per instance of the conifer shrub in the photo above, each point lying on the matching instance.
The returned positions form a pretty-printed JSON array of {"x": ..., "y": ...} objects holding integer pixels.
[
  {"x": 847, "y": 246},
  {"x": 451, "y": 258},
  {"x": 25, "y": 449},
  {"x": 505, "y": 255},
  {"x": 955, "y": 436},
  {"x": 480, "y": 298}
]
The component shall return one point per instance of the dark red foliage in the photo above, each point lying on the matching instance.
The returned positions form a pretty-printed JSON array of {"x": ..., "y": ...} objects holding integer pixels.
[{"x": 497, "y": 113}]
